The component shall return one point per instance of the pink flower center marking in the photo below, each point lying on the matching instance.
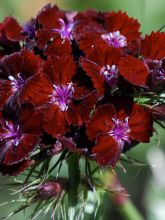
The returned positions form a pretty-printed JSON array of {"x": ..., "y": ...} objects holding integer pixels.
[
  {"x": 110, "y": 73},
  {"x": 62, "y": 95},
  {"x": 65, "y": 29},
  {"x": 16, "y": 82},
  {"x": 120, "y": 131},
  {"x": 115, "y": 39},
  {"x": 12, "y": 133}
]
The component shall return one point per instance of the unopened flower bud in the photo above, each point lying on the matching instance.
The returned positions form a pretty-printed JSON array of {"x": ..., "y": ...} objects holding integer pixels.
[{"x": 50, "y": 189}]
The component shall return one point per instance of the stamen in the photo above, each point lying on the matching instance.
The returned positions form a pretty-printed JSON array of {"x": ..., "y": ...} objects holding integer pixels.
[
  {"x": 110, "y": 74},
  {"x": 16, "y": 82},
  {"x": 12, "y": 133},
  {"x": 61, "y": 96},
  {"x": 115, "y": 39},
  {"x": 65, "y": 29},
  {"x": 120, "y": 131}
]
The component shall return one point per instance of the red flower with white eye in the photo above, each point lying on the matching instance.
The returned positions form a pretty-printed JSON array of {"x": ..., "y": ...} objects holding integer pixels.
[
  {"x": 111, "y": 126},
  {"x": 15, "y": 70},
  {"x": 120, "y": 29},
  {"x": 54, "y": 34},
  {"x": 105, "y": 65},
  {"x": 62, "y": 101},
  {"x": 116, "y": 30},
  {"x": 15, "y": 146},
  {"x": 102, "y": 67}
]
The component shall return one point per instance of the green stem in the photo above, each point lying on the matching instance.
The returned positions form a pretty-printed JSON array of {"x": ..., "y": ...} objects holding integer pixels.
[
  {"x": 74, "y": 178},
  {"x": 129, "y": 212},
  {"x": 122, "y": 202}
]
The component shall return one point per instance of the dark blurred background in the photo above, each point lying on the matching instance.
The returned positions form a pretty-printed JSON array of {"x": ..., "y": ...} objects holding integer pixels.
[{"x": 146, "y": 185}]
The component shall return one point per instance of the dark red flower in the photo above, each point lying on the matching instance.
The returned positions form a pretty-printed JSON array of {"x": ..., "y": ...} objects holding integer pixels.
[
  {"x": 61, "y": 99},
  {"x": 15, "y": 69},
  {"x": 54, "y": 31},
  {"x": 15, "y": 145},
  {"x": 113, "y": 126},
  {"x": 102, "y": 67},
  {"x": 112, "y": 29},
  {"x": 52, "y": 44},
  {"x": 121, "y": 28}
]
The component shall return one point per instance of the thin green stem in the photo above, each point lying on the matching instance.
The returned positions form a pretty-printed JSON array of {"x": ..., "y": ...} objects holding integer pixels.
[
  {"x": 129, "y": 212},
  {"x": 74, "y": 179}
]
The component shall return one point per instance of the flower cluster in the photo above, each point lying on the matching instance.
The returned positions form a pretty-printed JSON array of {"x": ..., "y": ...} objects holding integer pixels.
[{"x": 76, "y": 81}]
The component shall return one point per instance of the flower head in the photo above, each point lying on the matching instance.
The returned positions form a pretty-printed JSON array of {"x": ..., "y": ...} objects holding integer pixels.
[{"x": 112, "y": 126}]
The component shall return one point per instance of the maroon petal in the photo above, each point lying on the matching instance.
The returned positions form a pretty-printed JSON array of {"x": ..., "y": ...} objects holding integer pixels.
[
  {"x": 134, "y": 71},
  {"x": 100, "y": 122},
  {"x": 93, "y": 70},
  {"x": 24, "y": 62},
  {"x": 36, "y": 90},
  {"x": 140, "y": 123},
  {"x": 52, "y": 44},
  {"x": 49, "y": 17},
  {"x": 106, "y": 151},
  {"x": 98, "y": 51},
  {"x": 72, "y": 116},
  {"x": 86, "y": 22},
  {"x": 58, "y": 47},
  {"x": 12, "y": 29},
  {"x": 31, "y": 63},
  {"x": 153, "y": 46},
  {"x": 16, "y": 154},
  {"x": 90, "y": 43},
  {"x": 85, "y": 105},
  {"x": 54, "y": 121},
  {"x": 31, "y": 119},
  {"x": 60, "y": 69},
  {"x": 5, "y": 92}
]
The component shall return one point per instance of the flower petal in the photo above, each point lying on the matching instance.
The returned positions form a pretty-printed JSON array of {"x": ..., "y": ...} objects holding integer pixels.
[
  {"x": 106, "y": 151},
  {"x": 140, "y": 123},
  {"x": 93, "y": 70},
  {"x": 153, "y": 46},
  {"x": 54, "y": 121},
  {"x": 5, "y": 92},
  {"x": 36, "y": 90},
  {"x": 12, "y": 29},
  {"x": 49, "y": 17},
  {"x": 60, "y": 69},
  {"x": 119, "y": 21},
  {"x": 100, "y": 122},
  {"x": 134, "y": 71},
  {"x": 15, "y": 154}
]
